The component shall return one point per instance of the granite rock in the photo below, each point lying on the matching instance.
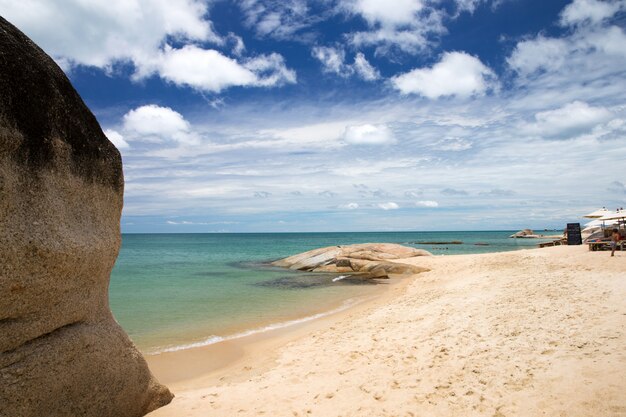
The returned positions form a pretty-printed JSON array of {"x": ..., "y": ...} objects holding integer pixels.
[
  {"x": 61, "y": 185},
  {"x": 370, "y": 260}
]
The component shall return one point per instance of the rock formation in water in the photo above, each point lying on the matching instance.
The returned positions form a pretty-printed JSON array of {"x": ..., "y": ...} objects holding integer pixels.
[
  {"x": 371, "y": 260},
  {"x": 61, "y": 185},
  {"x": 525, "y": 234}
]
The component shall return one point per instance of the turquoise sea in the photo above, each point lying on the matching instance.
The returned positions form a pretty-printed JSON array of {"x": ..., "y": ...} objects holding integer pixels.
[{"x": 171, "y": 291}]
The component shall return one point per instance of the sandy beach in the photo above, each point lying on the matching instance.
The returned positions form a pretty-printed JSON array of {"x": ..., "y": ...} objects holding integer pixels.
[{"x": 524, "y": 333}]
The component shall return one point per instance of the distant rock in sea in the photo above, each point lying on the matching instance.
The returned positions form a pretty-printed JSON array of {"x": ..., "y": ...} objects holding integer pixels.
[
  {"x": 371, "y": 260},
  {"x": 61, "y": 351},
  {"x": 525, "y": 234}
]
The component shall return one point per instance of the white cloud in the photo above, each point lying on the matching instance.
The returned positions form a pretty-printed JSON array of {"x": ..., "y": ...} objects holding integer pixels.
[
  {"x": 155, "y": 120},
  {"x": 281, "y": 19},
  {"x": 326, "y": 133},
  {"x": 368, "y": 134},
  {"x": 379, "y": 11},
  {"x": 589, "y": 11},
  {"x": 334, "y": 62},
  {"x": 238, "y": 46},
  {"x": 570, "y": 120},
  {"x": 467, "y": 5},
  {"x": 456, "y": 74},
  {"x": 364, "y": 69},
  {"x": 388, "y": 206},
  {"x": 349, "y": 206},
  {"x": 100, "y": 33},
  {"x": 427, "y": 203},
  {"x": 591, "y": 46},
  {"x": 116, "y": 139},
  {"x": 405, "y": 26},
  {"x": 210, "y": 70},
  {"x": 270, "y": 70},
  {"x": 153, "y": 123},
  {"x": 540, "y": 53}
]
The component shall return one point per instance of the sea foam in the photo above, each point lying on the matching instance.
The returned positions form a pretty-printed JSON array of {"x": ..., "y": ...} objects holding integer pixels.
[{"x": 275, "y": 326}]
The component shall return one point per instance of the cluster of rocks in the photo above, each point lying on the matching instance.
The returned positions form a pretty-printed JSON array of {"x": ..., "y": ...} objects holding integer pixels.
[
  {"x": 368, "y": 260},
  {"x": 525, "y": 234}
]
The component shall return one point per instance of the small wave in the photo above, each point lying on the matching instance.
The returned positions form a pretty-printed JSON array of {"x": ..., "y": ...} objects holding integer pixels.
[
  {"x": 281, "y": 325},
  {"x": 339, "y": 278}
]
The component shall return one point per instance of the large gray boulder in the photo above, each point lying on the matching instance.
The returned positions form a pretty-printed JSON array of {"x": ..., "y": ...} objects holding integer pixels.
[{"x": 61, "y": 188}]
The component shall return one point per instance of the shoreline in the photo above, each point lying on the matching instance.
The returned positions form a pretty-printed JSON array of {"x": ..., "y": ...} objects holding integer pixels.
[
  {"x": 530, "y": 332},
  {"x": 211, "y": 362}
]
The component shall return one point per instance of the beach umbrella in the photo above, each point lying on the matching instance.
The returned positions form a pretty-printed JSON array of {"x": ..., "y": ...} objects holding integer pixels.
[
  {"x": 615, "y": 215},
  {"x": 598, "y": 213},
  {"x": 598, "y": 223}
]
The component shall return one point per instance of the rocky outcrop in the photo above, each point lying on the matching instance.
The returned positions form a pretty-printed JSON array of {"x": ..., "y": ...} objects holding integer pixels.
[
  {"x": 61, "y": 186},
  {"x": 525, "y": 234},
  {"x": 370, "y": 260}
]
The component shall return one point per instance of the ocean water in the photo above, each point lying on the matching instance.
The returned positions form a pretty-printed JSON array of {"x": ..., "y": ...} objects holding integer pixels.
[{"x": 172, "y": 291}]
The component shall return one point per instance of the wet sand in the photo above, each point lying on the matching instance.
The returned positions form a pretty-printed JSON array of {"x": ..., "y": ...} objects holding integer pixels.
[{"x": 525, "y": 333}]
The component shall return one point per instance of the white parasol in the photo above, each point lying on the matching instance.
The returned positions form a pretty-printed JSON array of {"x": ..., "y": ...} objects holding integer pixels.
[
  {"x": 598, "y": 223},
  {"x": 614, "y": 215},
  {"x": 598, "y": 213}
]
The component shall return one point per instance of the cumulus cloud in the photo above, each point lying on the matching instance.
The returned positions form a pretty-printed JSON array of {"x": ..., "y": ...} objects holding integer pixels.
[
  {"x": 103, "y": 34},
  {"x": 349, "y": 206},
  {"x": 153, "y": 123},
  {"x": 100, "y": 33},
  {"x": 210, "y": 70},
  {"x": 368, "y": 134},
  {"x": 327, "y": 194},
  {"x": 377, "y": 11},
  {"x": 570, "y": 120},
  {"x": 592, "y": 43},
  {"x": 334, "y": 62},
  {"x": 116, "y": 139},
  {"x": 427, "y": 203},
  {"x": 456, "y": 74},
  {"x": 539, "y": 53},
  {"x": 388, "y": 206},
  {"x": 589, "y": 11},
  {"x": 406, "y": 26}
]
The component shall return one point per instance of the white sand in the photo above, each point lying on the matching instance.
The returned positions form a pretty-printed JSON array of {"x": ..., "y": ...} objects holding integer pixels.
[{"x": 528, "y": 333}]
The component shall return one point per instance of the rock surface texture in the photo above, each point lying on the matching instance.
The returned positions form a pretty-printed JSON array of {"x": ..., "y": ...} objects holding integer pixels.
[
  {"x": 371, "y": 260},
  {"x": 61, "y": 186}
]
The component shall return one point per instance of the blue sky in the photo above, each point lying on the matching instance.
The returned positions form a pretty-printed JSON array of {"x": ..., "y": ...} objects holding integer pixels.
[{"x": 350, "y": 115}]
